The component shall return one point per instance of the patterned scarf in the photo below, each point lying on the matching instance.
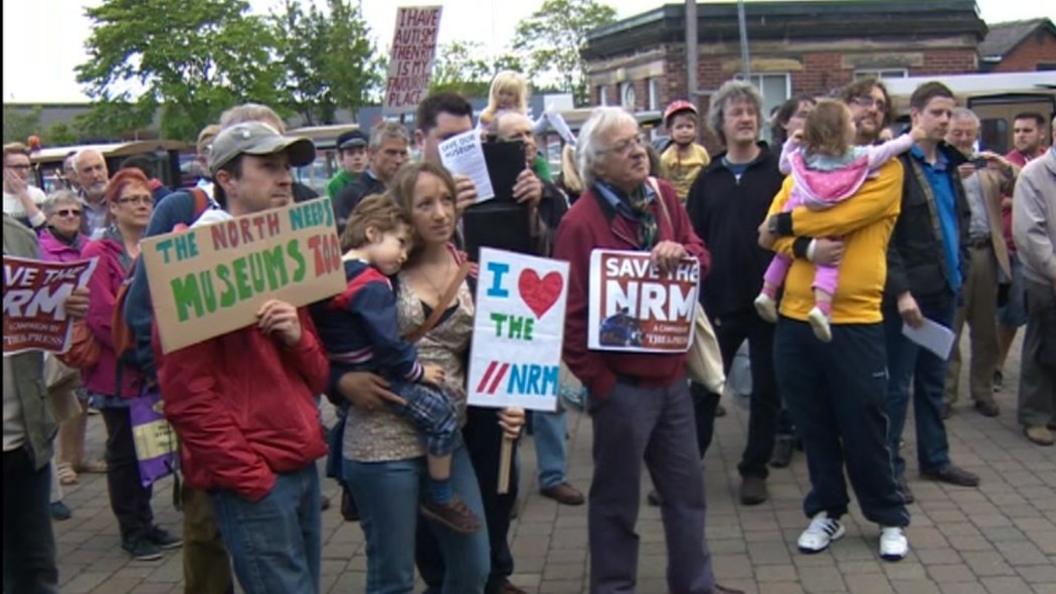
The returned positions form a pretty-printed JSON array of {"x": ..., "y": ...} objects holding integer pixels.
[{"x": 635, "y": 206}]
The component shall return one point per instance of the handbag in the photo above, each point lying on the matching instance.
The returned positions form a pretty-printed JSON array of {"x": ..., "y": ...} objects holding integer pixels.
[
  {"x": 61, "y": 381},
  {"x": 157, "y": 448},
  {"x": 704, "y": 358},
  {"x": 84, "y": 348}
]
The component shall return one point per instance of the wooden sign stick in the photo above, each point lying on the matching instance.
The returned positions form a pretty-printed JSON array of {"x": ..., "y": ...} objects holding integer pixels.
[{"x": 505, "y": 463}]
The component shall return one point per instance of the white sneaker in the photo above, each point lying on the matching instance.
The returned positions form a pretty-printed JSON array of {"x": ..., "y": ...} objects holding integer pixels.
[
  {"x": 819, "y": 322},
  {"x": 822, "y": 531},
  {"x": 893, "y": 543},
  {"x": 766, "y": 307}
]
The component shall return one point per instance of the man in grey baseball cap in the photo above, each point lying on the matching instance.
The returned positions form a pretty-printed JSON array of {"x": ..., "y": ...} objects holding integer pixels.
[{"x": 251, "y": 164}]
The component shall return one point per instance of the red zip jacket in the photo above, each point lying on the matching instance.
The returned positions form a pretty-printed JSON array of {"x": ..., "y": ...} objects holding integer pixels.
[
  {"x": 244, "y": 408},
  {"x": 590, "y": 224}
]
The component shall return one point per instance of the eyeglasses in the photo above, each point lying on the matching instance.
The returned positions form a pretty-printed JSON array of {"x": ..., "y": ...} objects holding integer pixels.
[
  {"x": 68, "y": 212},
  {"x": 141, "y": 199},
  {"x": 22, "y": 166},
  {"x": 864, "y": 101},
  {"x": 625, "y": 146}
]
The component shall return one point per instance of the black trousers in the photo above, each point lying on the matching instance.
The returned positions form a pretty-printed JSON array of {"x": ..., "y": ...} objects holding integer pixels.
[
  {"x": 837, "y": 394},
  {"x": 483, "y": 439},
  {"x": 129, "y": 499},
  {"x": 29, "y": 543},
  {"x": 731, "y": 330}
]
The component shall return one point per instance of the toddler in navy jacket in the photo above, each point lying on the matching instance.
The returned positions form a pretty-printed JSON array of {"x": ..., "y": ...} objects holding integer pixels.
[{"x": 360, "y": 333}]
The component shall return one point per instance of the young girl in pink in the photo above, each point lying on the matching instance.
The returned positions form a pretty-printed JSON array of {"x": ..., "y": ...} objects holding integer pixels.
[{"x": 827, "y": 169}]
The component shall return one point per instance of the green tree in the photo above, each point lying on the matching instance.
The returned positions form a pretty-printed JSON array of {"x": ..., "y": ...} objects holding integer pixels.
[
  {"x": 465, "y": 68},
  {"x": 194, "y": 57},
  {"x": 19, "y": 124},
  {"x": 328, "y": 59},
  {"x": 551, "y": 39},
  {"x": 60, "y": 134}
]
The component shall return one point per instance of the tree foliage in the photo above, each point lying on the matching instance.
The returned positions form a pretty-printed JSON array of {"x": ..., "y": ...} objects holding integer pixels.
[
  {"x": 463, "y": 67},
  {"x": 551, "y": 39},
  {"x": 19, "y": 125},
  {"x": 194, "y": 57},
  {"x": 328, "y": 59}
]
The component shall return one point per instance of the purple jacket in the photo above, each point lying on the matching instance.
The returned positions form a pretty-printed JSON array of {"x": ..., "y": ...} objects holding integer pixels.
[
  {"x": 53, "y": 249},
  {"x": 109, "y": 273}
]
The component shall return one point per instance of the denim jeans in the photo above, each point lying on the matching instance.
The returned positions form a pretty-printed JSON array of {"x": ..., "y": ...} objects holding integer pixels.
[
  {"x": 907, "y": 361},
  {"x": 275, "y": 543},
  {"x": 549, "y": 432},
  {"x": 836, "y": 394},
  {"x": 29, "y": 543},
  {"x": 388, "y": 495}
]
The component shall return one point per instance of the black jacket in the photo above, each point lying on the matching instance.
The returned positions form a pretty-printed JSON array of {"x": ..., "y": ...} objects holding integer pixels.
[
  {"x": 352, "y": 194},
  {"x": 726, "y": 214},
  {"x": 916, "y": 261}
]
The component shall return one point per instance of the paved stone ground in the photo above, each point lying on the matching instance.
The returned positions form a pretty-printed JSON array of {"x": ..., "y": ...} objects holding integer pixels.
[{"x": 1000, "y": 538}]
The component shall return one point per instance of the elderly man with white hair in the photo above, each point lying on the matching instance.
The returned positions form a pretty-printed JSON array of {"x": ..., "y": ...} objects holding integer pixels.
[
  {"x": 92, "y": 176},
  {"x": 639, "y": 403}
]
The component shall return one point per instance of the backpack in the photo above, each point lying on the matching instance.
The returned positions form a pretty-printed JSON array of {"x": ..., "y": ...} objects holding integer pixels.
[{"x": 120, "y": 333}]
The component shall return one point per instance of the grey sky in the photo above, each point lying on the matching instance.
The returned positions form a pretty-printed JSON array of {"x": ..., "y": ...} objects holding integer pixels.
[{"x": 44, "y": 39}]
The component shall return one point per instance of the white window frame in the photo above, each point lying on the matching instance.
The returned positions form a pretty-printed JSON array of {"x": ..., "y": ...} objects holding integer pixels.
[
  {"x": 625, "y": 89},
  {"x": 881, "y": 73},
  {"x": 654, "y": 95},
  {"x": 602, "y": 95}
]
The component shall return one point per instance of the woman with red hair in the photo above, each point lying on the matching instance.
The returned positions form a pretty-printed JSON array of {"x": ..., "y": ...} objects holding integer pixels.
[{"x": 110, "y": 384}]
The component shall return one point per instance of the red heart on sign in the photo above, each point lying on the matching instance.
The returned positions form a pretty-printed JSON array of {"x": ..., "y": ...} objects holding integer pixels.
[{"x": 539, "y": 294}]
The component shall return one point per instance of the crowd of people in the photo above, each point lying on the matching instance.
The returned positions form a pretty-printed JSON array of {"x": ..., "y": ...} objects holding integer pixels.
[{"x": 816, "y": 252}]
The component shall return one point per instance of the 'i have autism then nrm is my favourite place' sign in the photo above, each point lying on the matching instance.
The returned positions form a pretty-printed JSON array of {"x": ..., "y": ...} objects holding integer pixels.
[
  {"x": 517, "y": 331},
  {"x": 211, "y": 279}
]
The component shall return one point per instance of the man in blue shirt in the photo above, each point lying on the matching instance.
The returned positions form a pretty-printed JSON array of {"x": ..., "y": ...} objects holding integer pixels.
[{"x": 926, "y": 264}]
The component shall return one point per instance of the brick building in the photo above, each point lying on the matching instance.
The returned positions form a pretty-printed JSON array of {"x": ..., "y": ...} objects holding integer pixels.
[
  {"x": 1019, "y": 46},
  {"x": 795, "y": 47}
]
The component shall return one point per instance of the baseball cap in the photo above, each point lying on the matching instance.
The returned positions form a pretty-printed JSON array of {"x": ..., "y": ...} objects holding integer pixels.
[
  {"x": 352, "y": 138},
  {"x": 257, "y": 138}
]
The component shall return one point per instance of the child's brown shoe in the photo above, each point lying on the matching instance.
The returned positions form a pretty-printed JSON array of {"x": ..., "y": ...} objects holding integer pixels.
[{"x": 455, "y": 515}]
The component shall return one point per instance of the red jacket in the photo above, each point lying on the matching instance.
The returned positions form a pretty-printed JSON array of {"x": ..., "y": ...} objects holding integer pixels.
[
  {"x": 592, "y": 223},
  {"x": 244, "y": 407},
  {"x": 109, "y": 273}
]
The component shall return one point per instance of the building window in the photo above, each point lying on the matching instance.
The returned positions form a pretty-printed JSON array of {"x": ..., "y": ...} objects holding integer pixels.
[
  {"x": 881, "y": 73},
  {"x": 775, "y": 89},
  {"x": 628, "y": 98},
  {"x": 602, "y": 99},
  {"x": 654, "y": 94}
]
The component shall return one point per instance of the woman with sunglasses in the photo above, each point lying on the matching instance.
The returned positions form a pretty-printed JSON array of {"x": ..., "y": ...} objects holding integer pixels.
[
  {"x": 111, "y": 385},
  {"x": 61, "y": 240}
]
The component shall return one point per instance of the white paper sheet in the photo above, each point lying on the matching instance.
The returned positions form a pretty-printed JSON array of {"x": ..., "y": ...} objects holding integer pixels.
[
  {"x": 464, "y": 155},
  {"x": 931, "y": 335}
]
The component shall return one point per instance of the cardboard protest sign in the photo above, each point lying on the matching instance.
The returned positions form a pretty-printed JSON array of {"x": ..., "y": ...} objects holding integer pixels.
[
  {"x": 34, "y": 292},
  {"x": 463, "y": 154},
  {"x": 411, "y": 60},
  {"x": 209, "y": 280},
  {"x": 515, "y": 359},
  {"x": 633, "y": 307}
]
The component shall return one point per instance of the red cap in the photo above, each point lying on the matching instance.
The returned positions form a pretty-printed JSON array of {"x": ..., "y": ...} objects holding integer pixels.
[{"x": 678, "y": 106}]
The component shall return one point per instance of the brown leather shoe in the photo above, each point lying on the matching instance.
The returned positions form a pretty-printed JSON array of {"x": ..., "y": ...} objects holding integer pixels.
[
  {"x": 987, "y": 408},
  {"x": 454, "y": 514},
  {"x": 564, "y": 494},
  {"x": 724, "y": 590},
  {"x": 509, "y": 588}
]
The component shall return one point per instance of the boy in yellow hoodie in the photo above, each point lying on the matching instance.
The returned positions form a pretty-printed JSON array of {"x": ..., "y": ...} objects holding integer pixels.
[{"x": 683, "y": 159}]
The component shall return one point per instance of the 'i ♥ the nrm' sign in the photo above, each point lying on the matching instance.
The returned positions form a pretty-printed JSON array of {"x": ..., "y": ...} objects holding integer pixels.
[{"x": 517, "y": 332}]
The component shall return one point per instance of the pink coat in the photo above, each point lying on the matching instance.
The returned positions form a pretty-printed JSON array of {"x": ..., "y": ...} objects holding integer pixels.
[
  {"x": 106, "y": 280},
  {"x": 53, "y": 249}
]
